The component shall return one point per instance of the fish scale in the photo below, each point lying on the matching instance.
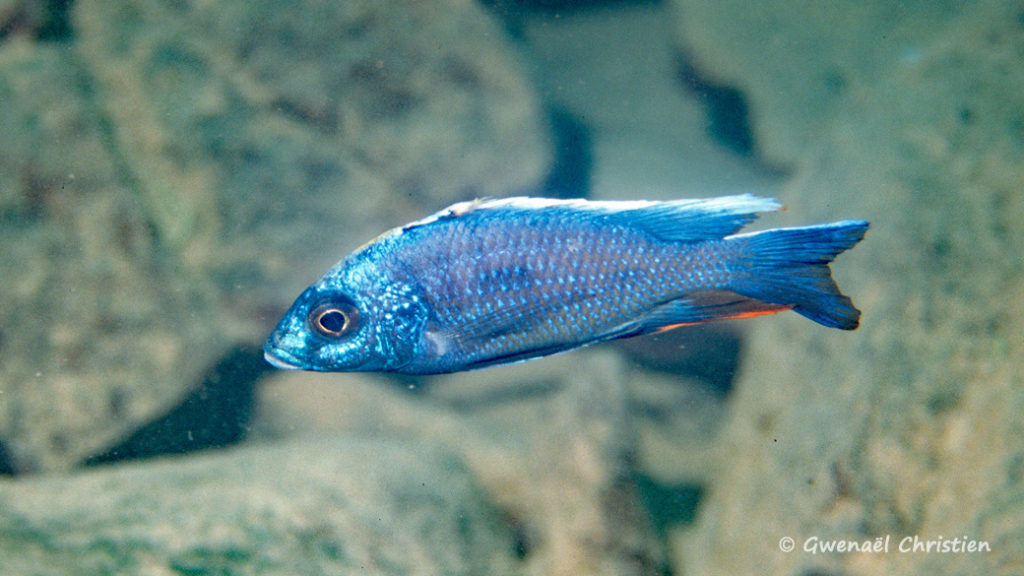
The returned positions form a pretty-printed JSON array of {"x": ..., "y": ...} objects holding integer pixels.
[
  {"x": 542, "y": 277},
  {"x": 491, "y": 282}
]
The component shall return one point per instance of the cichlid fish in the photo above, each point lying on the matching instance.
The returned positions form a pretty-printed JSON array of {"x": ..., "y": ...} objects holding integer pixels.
[{"x": 490, "y": 282}]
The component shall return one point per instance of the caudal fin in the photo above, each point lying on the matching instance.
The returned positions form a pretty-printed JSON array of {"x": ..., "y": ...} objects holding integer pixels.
[{"x": 789, "y": 267}]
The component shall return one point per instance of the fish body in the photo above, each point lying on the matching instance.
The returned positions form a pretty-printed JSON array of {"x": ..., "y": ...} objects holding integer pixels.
[{"x": 491, "y": 282}]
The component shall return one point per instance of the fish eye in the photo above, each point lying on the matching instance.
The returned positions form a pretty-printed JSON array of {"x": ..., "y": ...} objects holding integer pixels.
[{"x": 334, "y": 319}]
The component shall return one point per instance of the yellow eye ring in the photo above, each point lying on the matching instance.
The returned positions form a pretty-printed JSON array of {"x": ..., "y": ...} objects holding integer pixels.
[{"x": 333, "y": 320}]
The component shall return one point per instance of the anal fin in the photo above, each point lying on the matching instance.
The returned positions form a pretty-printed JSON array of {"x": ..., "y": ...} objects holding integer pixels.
[{"x": 705, "y": 306}]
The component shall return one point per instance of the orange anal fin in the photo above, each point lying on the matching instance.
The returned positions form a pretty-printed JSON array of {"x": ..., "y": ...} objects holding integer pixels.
[{"x": 772, "y": 309}]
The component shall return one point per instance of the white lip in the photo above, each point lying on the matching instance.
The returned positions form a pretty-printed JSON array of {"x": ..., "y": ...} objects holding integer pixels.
[{"x": 277, "y": 362}]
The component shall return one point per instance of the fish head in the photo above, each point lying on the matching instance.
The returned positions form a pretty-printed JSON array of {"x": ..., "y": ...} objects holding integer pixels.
[{"x": 357, "y": 318}]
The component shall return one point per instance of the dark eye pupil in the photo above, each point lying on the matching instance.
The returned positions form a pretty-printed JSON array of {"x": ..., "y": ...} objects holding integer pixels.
[{"x": 332, "y": 321}]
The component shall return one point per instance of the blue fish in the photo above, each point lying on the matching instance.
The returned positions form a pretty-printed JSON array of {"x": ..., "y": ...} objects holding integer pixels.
[{"x": 491, "y": 282}]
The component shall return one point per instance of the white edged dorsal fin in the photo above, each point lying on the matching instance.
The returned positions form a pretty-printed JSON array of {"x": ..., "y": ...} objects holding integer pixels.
[{"x": 675, "y": 220}]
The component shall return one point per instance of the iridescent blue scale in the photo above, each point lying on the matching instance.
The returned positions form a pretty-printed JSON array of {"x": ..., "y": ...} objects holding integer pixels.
[{"x": 498, "y": 281}]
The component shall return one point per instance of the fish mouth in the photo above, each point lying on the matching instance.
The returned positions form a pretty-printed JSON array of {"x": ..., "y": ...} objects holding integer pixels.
[{"x": 280, "y": 359}]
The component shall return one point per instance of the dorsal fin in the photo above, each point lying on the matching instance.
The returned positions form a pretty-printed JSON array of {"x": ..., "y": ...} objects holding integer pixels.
[
  {"x": 674, "y": 221},
  {"x": 694, "y": 220}
]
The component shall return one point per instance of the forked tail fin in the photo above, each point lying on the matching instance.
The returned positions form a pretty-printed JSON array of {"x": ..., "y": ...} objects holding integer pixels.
[{"x": 789, "y": 267}]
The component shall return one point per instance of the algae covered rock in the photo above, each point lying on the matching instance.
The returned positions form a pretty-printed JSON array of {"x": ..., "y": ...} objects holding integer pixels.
[
  {"x": 552, "y": 441},
  {"x": 323, "y": 506},
  {"x": 319, "y": 124},
  {"x": 97, "y": 325},
  {"x": 909, "y": 427},
  {"x": 173, "y": 173},
  {"x": 796, "y": 60}
]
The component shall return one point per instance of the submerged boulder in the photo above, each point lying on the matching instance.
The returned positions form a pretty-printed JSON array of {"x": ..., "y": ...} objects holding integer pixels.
[
  {"x": 175, "y": 172},
  {"x": 909, "y": 427},
  {"x": 327, "y": 505}
]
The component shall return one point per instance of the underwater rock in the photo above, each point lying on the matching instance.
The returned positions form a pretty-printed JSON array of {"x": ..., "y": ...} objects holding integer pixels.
[
  {"x": 580, "y": 493},
  {"x": 551, "y": 440},
  {"x": 21, "y": 17},
  {"x": 612, "y": 69},
  {"x": 911, "y": 425},
  {"x": 176, "y": 173},
  {"x": 795, "y": 61},
  {"x": 331, "y": 505},
  {"x": 97, "y": 329},
  {"x": 256, "y": 132},
  {"x": 676, "y": 419}
]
